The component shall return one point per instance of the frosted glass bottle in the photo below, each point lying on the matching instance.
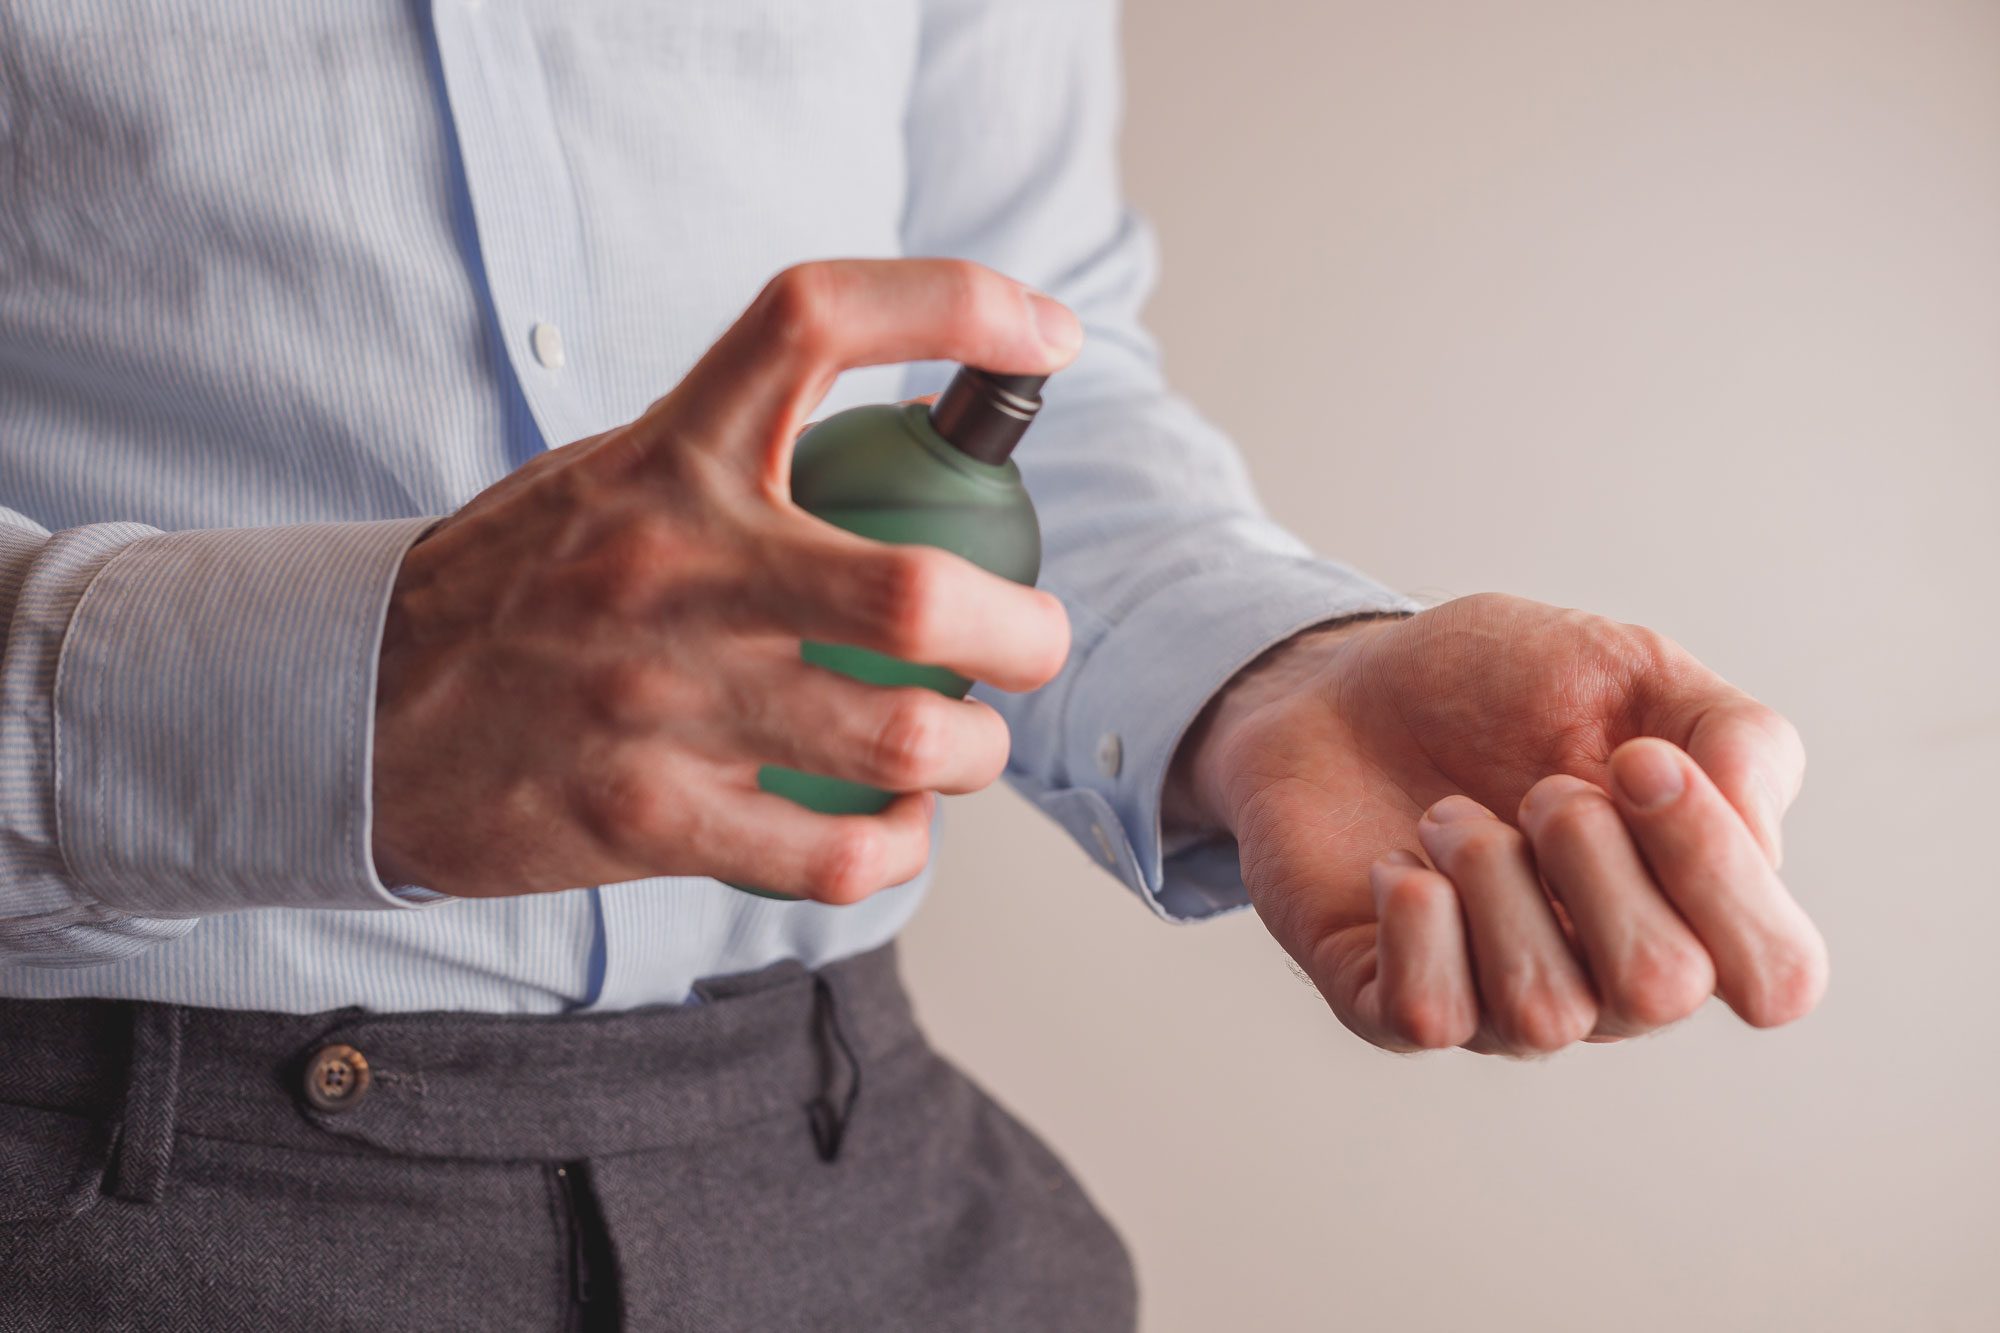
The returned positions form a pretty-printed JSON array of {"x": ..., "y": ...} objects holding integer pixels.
[{"x": 938, "y": 476}]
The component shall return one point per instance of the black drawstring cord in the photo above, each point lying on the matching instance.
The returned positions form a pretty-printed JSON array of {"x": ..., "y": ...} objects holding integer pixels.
[{"x": 829, "y": 1124}]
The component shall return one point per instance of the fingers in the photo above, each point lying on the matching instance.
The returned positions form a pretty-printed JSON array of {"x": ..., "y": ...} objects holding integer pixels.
[
  {"x": 900, "y": 739},
  {"x": 1770, "y": 961},
  {"x": 1648, "y": 968},
  {"x": 770, "y": 843},
  {"x": 657, "y": 809},
  {"x": 1422, "y": 996},
  {"x": 1535, "y": 994},
  {"x": 1753, "y": 755},
  {"x": 1667, "y": 894},
  {"x": 918, "y": 604},
  {"x": 815, "y": 320},
  {"x": 651, "y": 815}
]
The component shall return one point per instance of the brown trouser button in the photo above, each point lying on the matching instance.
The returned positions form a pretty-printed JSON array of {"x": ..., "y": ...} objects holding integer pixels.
[{"x": 337, "y": 1078}]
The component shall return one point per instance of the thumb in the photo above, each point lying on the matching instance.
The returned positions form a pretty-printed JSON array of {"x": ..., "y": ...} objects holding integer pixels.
[
  {"x": 1755, "y": 758},
  {"x": 770, "y": 368}
]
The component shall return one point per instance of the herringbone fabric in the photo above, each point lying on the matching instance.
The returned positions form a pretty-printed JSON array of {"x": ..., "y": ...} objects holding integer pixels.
[{"x": 661, "y": 1163}]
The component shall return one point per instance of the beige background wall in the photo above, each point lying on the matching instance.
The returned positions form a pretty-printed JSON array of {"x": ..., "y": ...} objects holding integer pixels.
[{"x": 1686, "y": 312}]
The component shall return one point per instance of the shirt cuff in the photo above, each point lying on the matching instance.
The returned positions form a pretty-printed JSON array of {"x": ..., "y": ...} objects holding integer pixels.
[
  {"x": 1140, "y": 687},
  {"x": 214, "y": 716}
]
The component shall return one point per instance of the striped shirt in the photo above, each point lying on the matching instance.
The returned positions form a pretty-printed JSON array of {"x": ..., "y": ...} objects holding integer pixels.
[{"x": 282, "y": 283}]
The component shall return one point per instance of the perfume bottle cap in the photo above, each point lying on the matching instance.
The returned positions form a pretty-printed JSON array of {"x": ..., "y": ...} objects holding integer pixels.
[{"x": 984, "y": 415}]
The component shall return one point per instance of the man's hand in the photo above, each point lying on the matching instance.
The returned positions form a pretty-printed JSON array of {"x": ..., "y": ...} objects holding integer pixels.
[
  {"x": 583, "y": 670},
  {"x": 1599, "y": 811}
]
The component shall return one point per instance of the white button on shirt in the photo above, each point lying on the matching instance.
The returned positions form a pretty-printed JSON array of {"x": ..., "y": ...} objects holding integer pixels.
[
  {"x": 230, "y": 399},
  {"x": 547, "y": 341}
]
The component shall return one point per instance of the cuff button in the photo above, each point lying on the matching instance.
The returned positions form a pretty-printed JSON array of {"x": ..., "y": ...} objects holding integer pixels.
[{"x": 1110, "y": 754}]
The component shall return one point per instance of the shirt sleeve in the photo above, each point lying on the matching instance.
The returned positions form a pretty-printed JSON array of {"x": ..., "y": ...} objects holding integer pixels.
[
  {"x": 1173, "y": 576},
  {"x": 186, "y": 723}
]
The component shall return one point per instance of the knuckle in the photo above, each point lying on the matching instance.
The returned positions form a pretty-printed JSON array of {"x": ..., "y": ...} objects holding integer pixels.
[
  {"x": 1568, "y": 815},
  {"x": 1415, "y": 891},
  {"x": 964, "y": 291},
  {"x": 634, "y": 692},
  {"x": 1427, "y": 1022},
  {"x": 992, "y": 307},
  {"x": 624, "y": 807},
  {"x": 634, "y": 563},
  {"x": 1661, "y": 983},
  {"x": 911, "y": 744},
  {"x": 908, "y": 602},
  {"x": 797, "y": 307},
  {"x": 1544, "y": 1015},
  {"x": 1482, "y": 848},
  {"x": 1651, "y": 648},
  {"x": 1544, "y": 796},
  {"x": 849, "y": 866},
  {"x": 1631, "y": 653},
  {"x": 967, "y": 295},
  {"x": 1787, "y": 986}
]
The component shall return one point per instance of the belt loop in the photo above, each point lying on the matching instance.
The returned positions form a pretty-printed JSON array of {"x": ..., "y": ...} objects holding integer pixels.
[{"x": 145, "y": 1142}]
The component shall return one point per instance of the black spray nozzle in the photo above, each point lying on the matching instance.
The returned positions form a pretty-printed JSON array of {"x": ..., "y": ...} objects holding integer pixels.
[{"x": 984, "y": 415}]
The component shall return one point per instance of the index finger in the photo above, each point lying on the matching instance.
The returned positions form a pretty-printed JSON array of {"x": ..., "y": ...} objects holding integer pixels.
[
  {"x": 1770, "y": 961},
  {"x": 1755, "y": 758},
  {"x": 812, "y": 321},
  {"x": 1751, "y": 752}
]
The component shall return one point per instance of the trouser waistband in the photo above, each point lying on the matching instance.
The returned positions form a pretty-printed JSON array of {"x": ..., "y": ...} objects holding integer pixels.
[{"x": 781, "y": 1041}]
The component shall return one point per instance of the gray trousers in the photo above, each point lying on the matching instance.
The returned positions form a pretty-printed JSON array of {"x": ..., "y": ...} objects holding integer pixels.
[{"x": 787, "y": 1154}]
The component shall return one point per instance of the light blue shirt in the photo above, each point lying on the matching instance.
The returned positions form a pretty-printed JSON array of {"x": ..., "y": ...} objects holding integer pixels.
[{"x": 281, "y": 283}]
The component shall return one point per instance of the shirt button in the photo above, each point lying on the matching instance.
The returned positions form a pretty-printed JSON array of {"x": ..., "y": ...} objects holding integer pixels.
[
  {"x": 337, "y": 1079},
  {"x": 546, "y": 339},
  {"x": 1110, "y": 754},
  {"x": 1104, "y": 848}
]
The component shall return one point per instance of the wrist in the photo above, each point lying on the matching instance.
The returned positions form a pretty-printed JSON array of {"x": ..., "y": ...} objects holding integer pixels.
[
  {"x": 1198, "y": 794},
  {"x": 397, "y": 783}
]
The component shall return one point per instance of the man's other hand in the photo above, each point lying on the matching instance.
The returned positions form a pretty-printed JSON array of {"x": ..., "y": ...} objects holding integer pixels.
[{"x": 1597, "y": 815}]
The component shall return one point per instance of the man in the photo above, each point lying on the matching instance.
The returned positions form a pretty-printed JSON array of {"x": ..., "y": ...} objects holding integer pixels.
[{"x": 362, "y": 608}]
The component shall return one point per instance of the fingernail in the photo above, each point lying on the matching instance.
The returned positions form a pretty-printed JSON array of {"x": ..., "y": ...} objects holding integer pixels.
[
  {"x": 1399, "y": 857},
  {"x": 1059, "y": 329},
  {"x": 1454, "y": 808},
  {"x": 1648, "y": 775}
]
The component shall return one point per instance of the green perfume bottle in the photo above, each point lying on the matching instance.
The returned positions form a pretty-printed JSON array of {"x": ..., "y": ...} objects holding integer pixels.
[{"x": 931, "y": 476}]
